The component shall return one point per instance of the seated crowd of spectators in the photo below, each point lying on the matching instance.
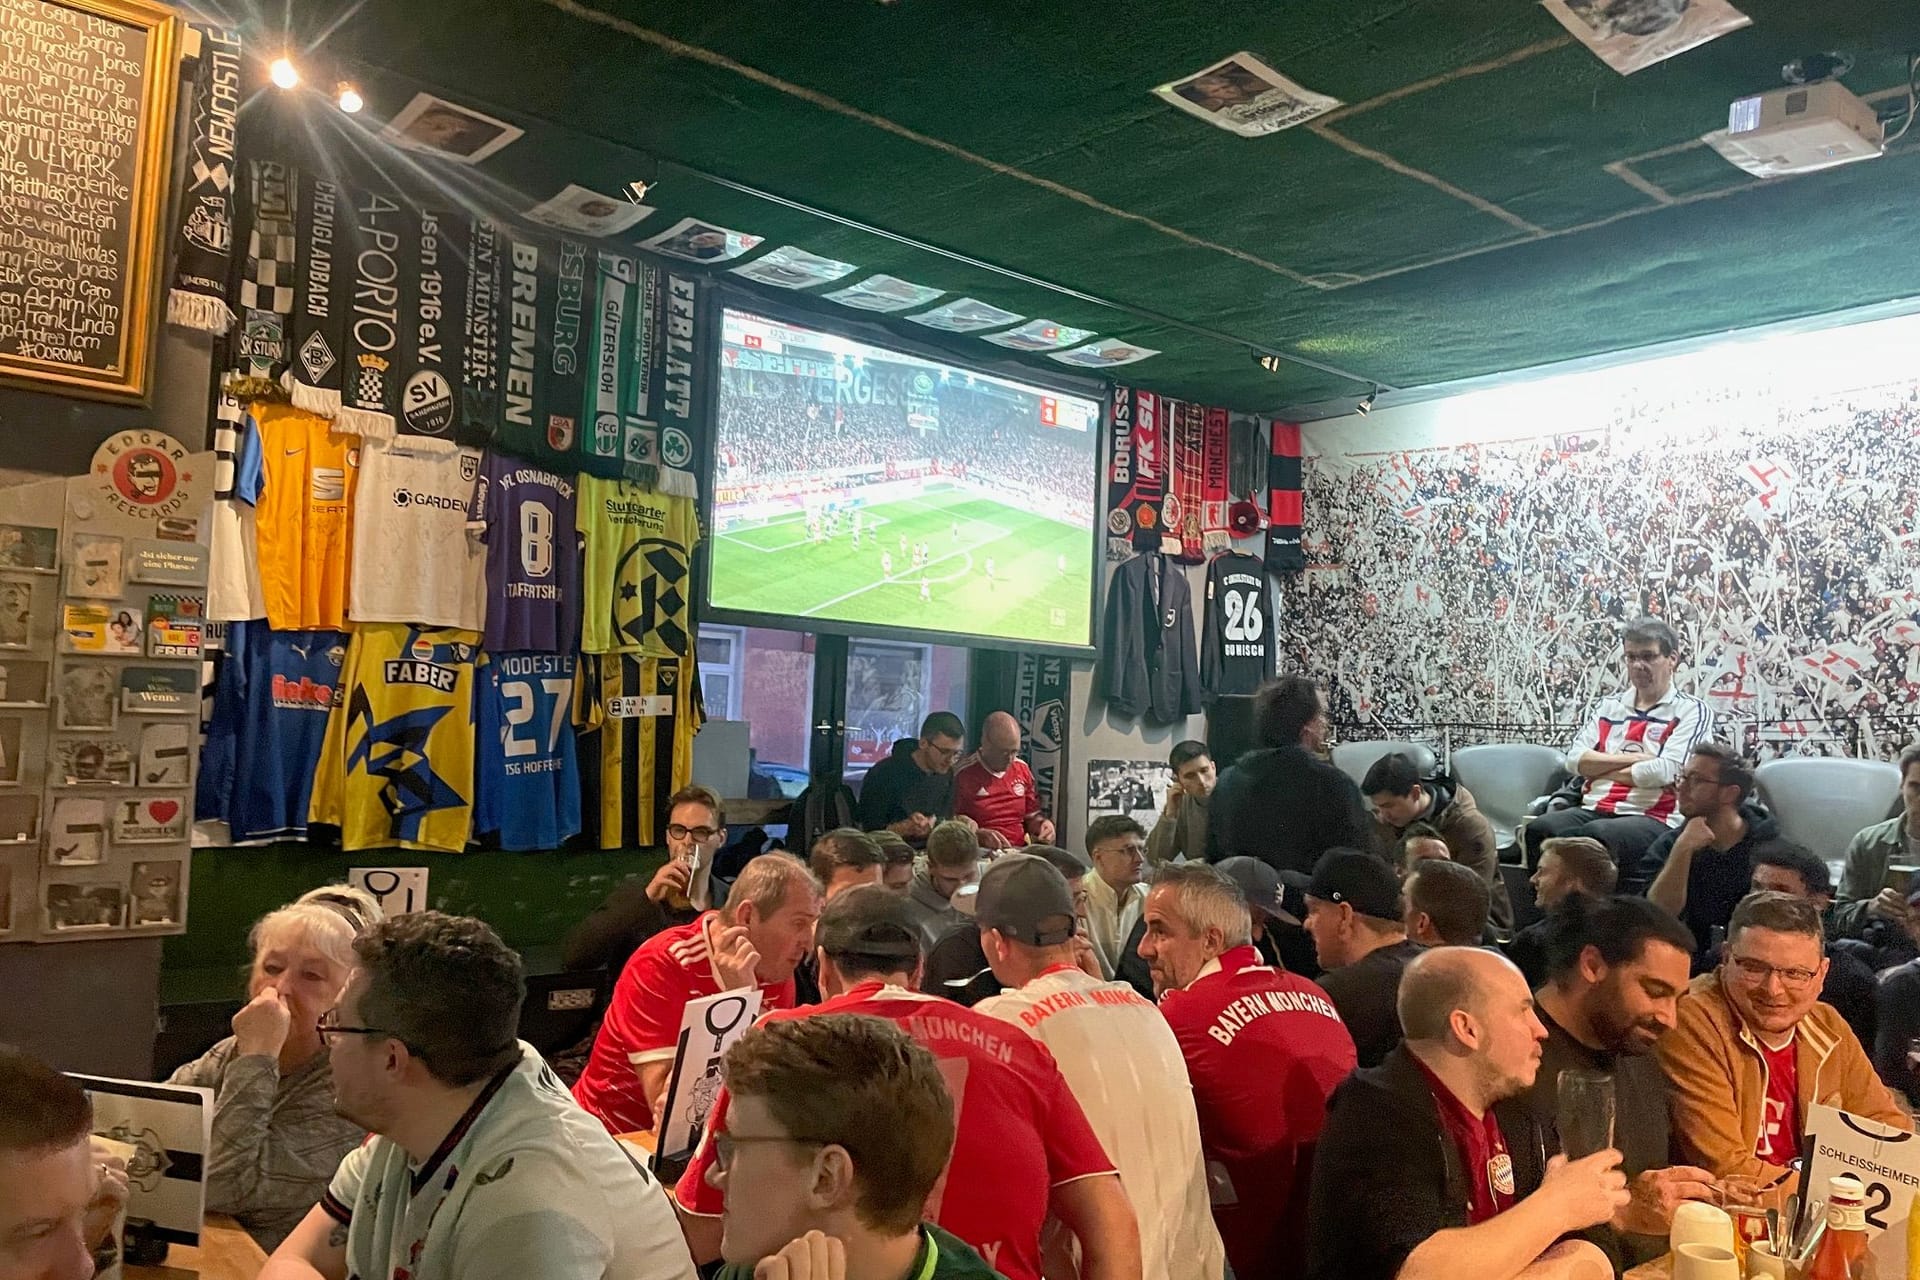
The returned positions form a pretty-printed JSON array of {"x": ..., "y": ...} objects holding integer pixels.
[{"x": 1299, "y": 1028}]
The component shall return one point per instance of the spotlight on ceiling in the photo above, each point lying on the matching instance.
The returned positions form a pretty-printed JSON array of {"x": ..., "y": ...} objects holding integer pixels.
[
  {"x": 349, "y": 98},
  {"x": 283, "y": 73},
  {"x": 1365, "y": 406},
  {"x": 637, "y": 190},
  {"x": 1270, "y": 363}
]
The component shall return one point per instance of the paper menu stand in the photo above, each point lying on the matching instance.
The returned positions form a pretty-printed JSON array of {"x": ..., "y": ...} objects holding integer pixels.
[
  {"x": 170, "y": 1128},
  {"x": 1887, "y": 1162},
  {"x": 708, "y": 1029}
]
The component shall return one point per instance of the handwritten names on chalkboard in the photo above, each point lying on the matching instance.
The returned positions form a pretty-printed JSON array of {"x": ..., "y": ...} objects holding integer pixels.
[{"x": 74, "y": 118}]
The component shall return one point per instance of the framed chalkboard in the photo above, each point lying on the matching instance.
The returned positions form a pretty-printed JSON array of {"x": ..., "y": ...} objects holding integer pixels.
[{"x": 86, "y": 124}]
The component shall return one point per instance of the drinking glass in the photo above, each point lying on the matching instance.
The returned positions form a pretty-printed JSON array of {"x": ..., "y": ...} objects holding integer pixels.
[{"x": 1585, "y": 1112}]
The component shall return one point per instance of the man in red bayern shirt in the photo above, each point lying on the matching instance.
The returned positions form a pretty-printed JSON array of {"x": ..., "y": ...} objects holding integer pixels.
[
  {"x": 758, "y": 940},
  {"x": 1264, "y": 1048},
  {"x": 995, "y": 788},
  {"x": 1023, "y": 1148}
]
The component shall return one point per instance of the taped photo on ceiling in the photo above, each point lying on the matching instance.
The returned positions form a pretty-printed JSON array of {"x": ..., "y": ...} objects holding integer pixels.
[{"x": 1629, "y": 35}]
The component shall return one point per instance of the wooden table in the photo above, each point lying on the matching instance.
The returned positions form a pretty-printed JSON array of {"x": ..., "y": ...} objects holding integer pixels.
[
  {"x": 1661, "y": 1268},
  {"x": 225, "y": 1252}
]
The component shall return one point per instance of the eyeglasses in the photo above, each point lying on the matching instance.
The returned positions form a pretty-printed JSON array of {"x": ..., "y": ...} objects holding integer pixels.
[
  {"x": 329, "y": 1027},
  {"x": 1758, "y": 971},
  {"x": 946, "y": 753},
  {"x": 724, "y": 1144},
  {"x": 1698, "y": 780},
  {"x": 701, "y": 834}
]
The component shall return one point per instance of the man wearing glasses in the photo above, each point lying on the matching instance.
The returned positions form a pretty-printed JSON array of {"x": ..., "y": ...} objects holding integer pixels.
[
  {"x": 480, "y": 1165},
  {"x": 1754, "y": 1048},
  {"x": 912, "y": 788},
  {"x": 1701, "y": 872},
  {"x": 1627, "y": 756}
]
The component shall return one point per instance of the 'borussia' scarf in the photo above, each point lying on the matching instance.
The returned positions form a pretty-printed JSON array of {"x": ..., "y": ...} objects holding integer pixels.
[
  {"x": 1213, "y": 483},
  {"x": 431, "y": 331},
  {"x": 482, "y": 322},
  {"x": 1180, "y": 509},
  {"x": 1284, "y": 500},
  {"x": 325, "y": 294},
  {"x": 1149, "y": 469},
  {"x": 612, "y": 368},
  {"x": 198, "y": 298},
  {"x": 376, "y": 243}
]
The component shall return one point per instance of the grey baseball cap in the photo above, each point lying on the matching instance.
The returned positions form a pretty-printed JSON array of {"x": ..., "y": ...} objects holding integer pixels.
[{"x": 1026, "y": 898}]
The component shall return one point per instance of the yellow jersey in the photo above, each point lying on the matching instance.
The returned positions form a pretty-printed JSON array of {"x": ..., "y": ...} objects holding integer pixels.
[
  {"x": 397, "y": 764},
  {"x": 302, "y": 495},
  {"x": 637, "y": 586}
]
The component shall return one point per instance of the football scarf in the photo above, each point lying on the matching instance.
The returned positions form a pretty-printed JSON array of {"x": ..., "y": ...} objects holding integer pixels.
[
  {"x": 568, "y": 344},
  {"x": 1042, "y": 701},
  {"x": 672, "y": 383},
  {"x": 1180, "y": 509},
  {"x": 266, "y": 286},
  {"x": 1284, "y": 500},
  {"x": 1247, "y": 450},
  {"x": 1213, "y": 482},
  {"x": 377, "y": 246},
  {"x": 529, "y": 281},
  {"x": 612, "y": 369},
  {"x": 480, "y": 332},
  {"x": 1134, "y": 473},
  {"x": 430, "y": 333},
  {"x": 639, "y": 433},
  {"x": 1120, "y": 478},
  {"x": 321, "y": 302},
  {"x": 198, "y": 297}
]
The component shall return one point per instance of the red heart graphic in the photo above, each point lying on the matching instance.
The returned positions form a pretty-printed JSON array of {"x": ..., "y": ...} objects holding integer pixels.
[{"x": 163, "y": 810}]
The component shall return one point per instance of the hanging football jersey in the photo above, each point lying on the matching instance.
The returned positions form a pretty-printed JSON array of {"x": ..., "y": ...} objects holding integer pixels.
[
  {"x": 526, "y": 519},
  {"x": 397, "y": 766},
  {"x": 414, "y": 557},
  {"x": 288, "y": 684},
  {"x": 638, "y": 581},
  {"x": 301, "y": 486},
  {"x": 642, "y": 715},
  {"x": 526, "y": 777}
]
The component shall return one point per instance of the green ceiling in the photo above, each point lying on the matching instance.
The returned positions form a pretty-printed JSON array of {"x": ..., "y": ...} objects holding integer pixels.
[{"x": 1457, "y": 219}]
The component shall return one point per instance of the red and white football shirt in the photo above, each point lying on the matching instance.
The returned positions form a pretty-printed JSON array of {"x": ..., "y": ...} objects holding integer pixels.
[
  {"x": 1264, "y": 1049},
  {"x": 643, "y": 1020},
  {"x": 996, "y": 801},
  {"x": 1019, "y": 1131}
]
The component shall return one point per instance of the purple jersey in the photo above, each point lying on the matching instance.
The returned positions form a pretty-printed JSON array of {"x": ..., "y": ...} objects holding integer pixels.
[{"x": 526, "y": 518}]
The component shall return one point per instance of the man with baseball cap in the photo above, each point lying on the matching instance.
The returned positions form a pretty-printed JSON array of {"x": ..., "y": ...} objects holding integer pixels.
[
  {"x": 1360, "y": 937},
  {"x": 1264, "y": 1049},
  {"x": 1117, "y": 1053},
  {"x": 1023, "y": 1149}
]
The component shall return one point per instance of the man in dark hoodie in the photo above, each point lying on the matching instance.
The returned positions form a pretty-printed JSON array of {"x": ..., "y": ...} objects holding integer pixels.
[
  {"x": 1703, "y": 870},
  {"x": 1401, "y": 797},
  {"x": 1283, "y": 804},
  {"x": 1430, "y": 1167},
  {"x": 912, "y": 789}
]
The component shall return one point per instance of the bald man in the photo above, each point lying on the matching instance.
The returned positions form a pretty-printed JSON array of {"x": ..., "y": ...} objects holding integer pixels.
[
  {"x": 996, "y": 790},
  {"x": 1429, "y": 1167}
]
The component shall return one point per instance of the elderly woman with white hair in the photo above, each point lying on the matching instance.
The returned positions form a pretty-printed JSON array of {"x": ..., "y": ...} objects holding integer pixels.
[{"x": 276, "y": 1136}]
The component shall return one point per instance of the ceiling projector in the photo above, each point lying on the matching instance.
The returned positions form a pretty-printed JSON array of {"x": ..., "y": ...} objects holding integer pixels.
[{"x": 1800, "y": 128}]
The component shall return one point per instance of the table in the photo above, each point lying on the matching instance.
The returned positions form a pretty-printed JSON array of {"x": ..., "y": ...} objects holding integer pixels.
[
  {"x": 1661, "y": 1268},
  {"x": 225, "y": 1252}
]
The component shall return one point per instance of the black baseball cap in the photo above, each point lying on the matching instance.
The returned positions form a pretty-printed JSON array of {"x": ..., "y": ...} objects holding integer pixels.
[
  {"x": 1026, "y": 898},
  {"x": 1362, "y": 881},
  {"x": 1261, "y": 884},
  {"x": 868, "y": 920}
]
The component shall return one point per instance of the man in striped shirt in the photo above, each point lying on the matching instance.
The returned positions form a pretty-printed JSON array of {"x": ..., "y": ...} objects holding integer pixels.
[{"x": 1627, "y": 755}]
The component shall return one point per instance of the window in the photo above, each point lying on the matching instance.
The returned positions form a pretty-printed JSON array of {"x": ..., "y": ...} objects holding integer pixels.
[
  {"x": 764, "y": 677},
  {"x": 891, "y": 687}
]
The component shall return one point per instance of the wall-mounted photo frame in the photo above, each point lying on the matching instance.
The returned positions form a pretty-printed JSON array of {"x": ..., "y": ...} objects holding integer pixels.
[
  {"x": 87, "y": 698},
  {"x": 153, "y": 894},
  {"x": 16, "y": 611},
  {"x": 32, "y": 547},
  {"x": 23, "y": 681},
  {"x": 83, "y": 907},
  {"x": 91, "y": 762},
  {"x": 149, "y": 820},
  {"x": 77, "y": 832}
]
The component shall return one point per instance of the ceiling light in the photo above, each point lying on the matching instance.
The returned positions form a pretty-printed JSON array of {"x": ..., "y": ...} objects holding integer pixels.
[
  {"x": 1365, "y": 407},
  {"x": 283, "y": 73},
  {"x": 637, "y": 190},
  {"x": 1270, "y": 363},
  {"x": 349, "y": 98}
]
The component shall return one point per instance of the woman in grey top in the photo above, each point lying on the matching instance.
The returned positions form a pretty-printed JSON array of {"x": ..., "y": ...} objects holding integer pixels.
[{"x": 276, "y": 1136}]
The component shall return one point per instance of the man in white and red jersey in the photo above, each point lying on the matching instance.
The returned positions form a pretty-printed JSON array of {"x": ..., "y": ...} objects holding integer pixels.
[
  {"x": 758, "y": 940},
  {"x": 995, "y": 788},
  {"x": 1022, "y": 1149},
  {"x": 1117, "y": 1053},
  {"x": 1264, "y": 1049},
  {"x": 1627, "y": 756}
]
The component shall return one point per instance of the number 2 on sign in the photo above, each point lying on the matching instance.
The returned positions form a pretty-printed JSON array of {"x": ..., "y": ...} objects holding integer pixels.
[{"x": 525, "y": 703}]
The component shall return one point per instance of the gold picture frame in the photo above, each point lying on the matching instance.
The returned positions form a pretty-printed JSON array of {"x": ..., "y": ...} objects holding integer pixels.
[{"x": 130, "y": 377}]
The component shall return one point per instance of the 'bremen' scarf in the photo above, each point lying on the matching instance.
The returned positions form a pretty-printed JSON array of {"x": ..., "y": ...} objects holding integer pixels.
[
  {"x": 325, "y": 294},
  {"x": 1180, "y": 510},
  {"x": 430, "y": 330},
  {"x": 198, "y": 297},
  {"x": 612, "y": 371},
  {"x": 1213, "y": 482},
  {"x": 1284, "y": 500},
  {"x": 480, "y": 361},
  {"x": 375, "y": 248}
]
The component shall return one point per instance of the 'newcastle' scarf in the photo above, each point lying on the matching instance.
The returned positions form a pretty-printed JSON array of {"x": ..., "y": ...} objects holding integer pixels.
[
  {"x": 430, "y": 330},
  {"x": 321, "y": 302},
  {"x": 1181, "y": 507},
  {"x": 198, "y": 297},
  {"x": 1284, "y": 500},
  {"x": 480, "y": 367},
  {"x": 375, "y": 243},
  {"x": 1213, "y": 482},
  {"x": 1149, "y": 469}
]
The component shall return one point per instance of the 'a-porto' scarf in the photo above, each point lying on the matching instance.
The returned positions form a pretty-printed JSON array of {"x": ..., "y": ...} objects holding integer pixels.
[
  {"x": 204, "y": 253},
  {"x": 377, "y": 249}
]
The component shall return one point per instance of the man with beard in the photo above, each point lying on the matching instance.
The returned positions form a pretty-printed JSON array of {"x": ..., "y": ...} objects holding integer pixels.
[
  {"x": 1429, "y": 1166},
  {"x": 1616, "y": 968},
  {"x": 480, "y": 1165}
]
